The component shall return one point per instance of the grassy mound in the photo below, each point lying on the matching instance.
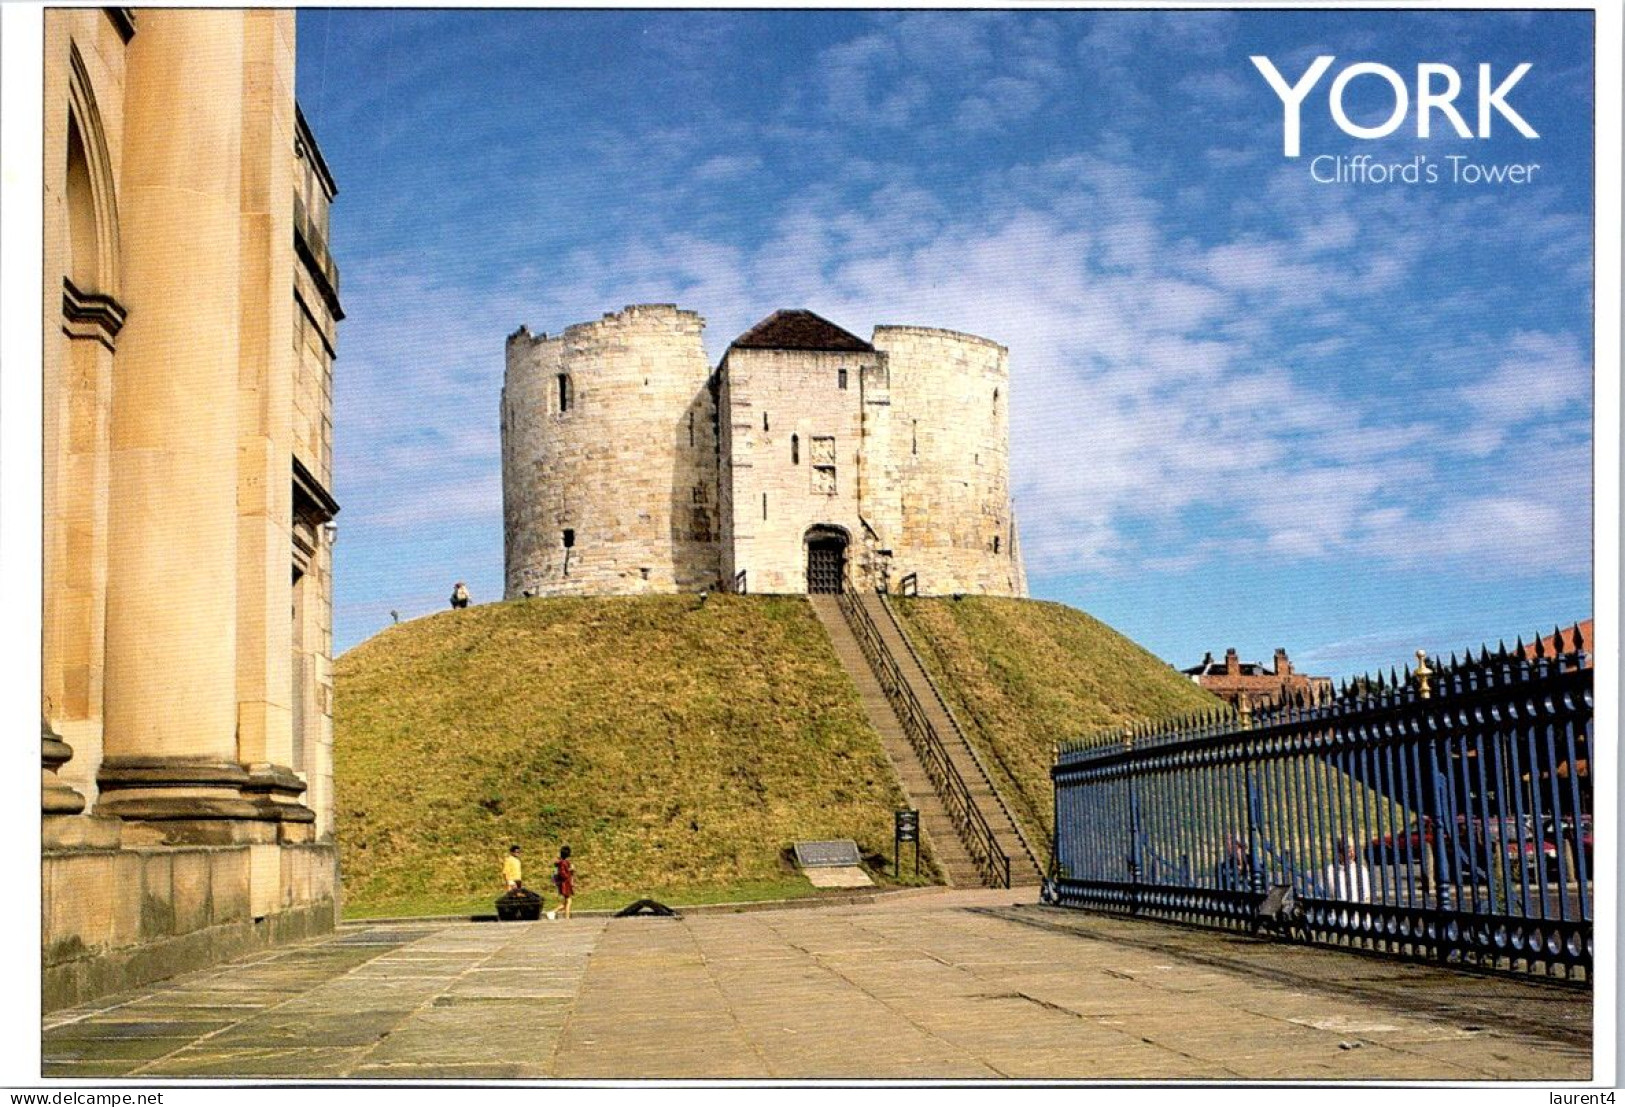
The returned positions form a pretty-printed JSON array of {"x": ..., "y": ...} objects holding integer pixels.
[
  {"x": 1021, "y": 675},
  {"x": 679, "y": 748}
]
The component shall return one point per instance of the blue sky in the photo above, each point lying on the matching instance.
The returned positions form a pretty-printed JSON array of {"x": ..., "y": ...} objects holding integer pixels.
[{"x": 1247, "y": 408}]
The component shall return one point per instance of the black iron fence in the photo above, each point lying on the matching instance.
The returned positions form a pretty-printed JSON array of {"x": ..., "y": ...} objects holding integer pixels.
[
  {"x": 991, "y": 861},
  {"x": 1443, "y": 814}
]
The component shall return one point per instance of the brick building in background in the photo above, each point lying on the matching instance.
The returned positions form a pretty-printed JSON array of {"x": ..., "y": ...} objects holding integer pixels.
[{"x": 1233, "y": 678}]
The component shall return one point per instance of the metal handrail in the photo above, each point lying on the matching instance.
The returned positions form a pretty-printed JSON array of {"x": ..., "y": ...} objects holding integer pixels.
[
  {"x": 965, "y": 743},
  {"x": 967, "y": 817}
]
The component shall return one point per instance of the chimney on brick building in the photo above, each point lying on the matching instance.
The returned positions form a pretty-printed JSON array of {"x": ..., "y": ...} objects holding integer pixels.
[
  {"x": 1232, "y": 663},
  {"x": 1283, "y": 667}
]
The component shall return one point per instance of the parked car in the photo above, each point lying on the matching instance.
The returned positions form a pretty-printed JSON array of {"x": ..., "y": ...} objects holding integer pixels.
[
  {"x": 1555, "y": 834},
  {"x": 1478, "y": 842}
]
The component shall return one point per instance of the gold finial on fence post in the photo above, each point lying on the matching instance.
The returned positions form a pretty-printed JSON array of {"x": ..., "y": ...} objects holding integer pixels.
[
  {"x": 1244, "y": 706},
  {"x": 1424, "y": 675}
]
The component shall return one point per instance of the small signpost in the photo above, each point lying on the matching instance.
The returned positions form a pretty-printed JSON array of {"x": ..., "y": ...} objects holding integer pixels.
[{"x": 907, "y": 830}]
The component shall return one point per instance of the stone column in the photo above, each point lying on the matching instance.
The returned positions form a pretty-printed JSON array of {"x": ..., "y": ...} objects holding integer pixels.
[
  {"x": 266, "y": 372},
  {"x": 171, "y": 765}
]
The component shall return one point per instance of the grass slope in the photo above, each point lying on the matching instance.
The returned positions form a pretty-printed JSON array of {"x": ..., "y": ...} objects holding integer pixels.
[
  {"x": 1021, "y": 675},
  {"x": 679, "y": 748}
]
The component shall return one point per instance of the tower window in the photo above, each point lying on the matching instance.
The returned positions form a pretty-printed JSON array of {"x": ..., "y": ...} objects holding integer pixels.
[
  {"x": 840, "y": 377},
  {"x": 764, "y": 420},
  {"x": 914, "y": 437},
  {"x": 995, "y": 543},
  {"x": 569, "y": 539},
  {"x": 764, "y": 507},
  {"x": 691, "y": 428},
  {"x": 565, "y": 396},
  {"x": 795, "y": 449}
]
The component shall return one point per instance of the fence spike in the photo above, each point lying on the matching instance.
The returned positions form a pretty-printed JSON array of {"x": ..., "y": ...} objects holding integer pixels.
[
  {"x": 1579, "y": 641},
  {"x": 1517, "y": 650},
  {"x": 1484, "y": 655},
  {"x": 1501, "y": 650},
  {"x": 1540, "y": 645}
]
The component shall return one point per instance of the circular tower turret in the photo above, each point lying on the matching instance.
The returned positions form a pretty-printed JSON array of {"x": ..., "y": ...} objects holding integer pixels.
[
  {"x": 950, "y": 444},
  {"x": 609, "y": 457}
]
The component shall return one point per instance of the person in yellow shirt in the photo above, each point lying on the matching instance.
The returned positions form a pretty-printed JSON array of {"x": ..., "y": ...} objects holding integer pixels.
[{"x": 512, "y": 871}]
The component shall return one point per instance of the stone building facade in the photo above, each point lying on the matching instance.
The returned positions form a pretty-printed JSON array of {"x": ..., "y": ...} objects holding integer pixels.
[
  {"x": 190, "y": 310},
  {"x": 631, "y": 466}
]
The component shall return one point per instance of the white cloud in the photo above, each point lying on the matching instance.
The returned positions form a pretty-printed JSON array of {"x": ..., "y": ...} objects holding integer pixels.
[
  {"x": 1537, "y": 375},
  {"x": 727, "y": 167}
]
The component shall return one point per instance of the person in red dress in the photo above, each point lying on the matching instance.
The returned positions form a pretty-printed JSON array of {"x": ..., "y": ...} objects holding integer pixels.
[{"x": 564, "y": 878}]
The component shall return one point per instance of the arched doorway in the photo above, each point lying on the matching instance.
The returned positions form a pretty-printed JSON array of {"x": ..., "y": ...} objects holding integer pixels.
[{"x": 826, "y": 559}]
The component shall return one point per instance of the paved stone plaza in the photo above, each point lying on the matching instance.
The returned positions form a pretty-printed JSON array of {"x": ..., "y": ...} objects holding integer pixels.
[{"x": 939, "y": 984}]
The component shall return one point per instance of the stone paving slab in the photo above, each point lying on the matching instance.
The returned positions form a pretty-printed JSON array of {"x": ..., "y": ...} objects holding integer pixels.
[{"x": 952, "y": 985}]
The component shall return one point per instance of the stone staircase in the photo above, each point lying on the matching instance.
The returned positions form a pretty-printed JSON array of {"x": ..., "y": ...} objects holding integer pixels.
[{"x": 959, "y": 867}]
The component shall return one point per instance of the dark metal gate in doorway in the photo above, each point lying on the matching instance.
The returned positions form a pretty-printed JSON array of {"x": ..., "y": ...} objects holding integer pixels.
[{"x": 826, "y": 558}]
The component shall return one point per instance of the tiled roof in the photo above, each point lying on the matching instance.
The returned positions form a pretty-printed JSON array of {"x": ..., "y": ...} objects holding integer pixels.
[
  {"x": 799, "y": 330},
  {"x": 1563, "y": 641}
]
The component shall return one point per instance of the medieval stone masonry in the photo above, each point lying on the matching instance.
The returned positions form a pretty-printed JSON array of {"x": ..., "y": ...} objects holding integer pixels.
[
  {"x": 630, "y": 466},
  {"x": 190, "y": 316}
]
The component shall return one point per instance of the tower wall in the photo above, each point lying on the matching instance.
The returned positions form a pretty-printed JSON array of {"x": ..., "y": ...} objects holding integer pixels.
[
  {"x": 609, "y": 434},
  {"x": 950, "y": 435},
  {"x": 793, "y": 458}
]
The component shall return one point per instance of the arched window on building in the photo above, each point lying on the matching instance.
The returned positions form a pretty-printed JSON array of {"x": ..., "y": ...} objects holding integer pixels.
[
  {"x": 566, "y": 393},
  {"x": 82, "y": 249}
]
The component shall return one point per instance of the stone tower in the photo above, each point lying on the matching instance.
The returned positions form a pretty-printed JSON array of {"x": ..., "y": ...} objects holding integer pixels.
[
  {"x": 950, "y": 451},
  {"x": 808, "y": 456},
  {"x": 609, "y": 457}
]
